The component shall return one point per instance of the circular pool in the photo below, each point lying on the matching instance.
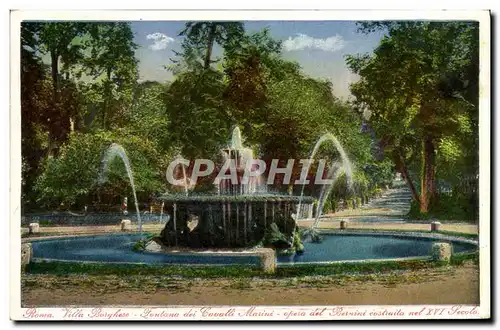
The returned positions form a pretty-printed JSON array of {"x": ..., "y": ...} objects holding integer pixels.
[{"x": 117, "y": 248}]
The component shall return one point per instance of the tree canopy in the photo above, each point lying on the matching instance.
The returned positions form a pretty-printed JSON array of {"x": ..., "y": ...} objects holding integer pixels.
[
  {"x": 414, "y": 110},
  {"x": 420, "y": 87}
]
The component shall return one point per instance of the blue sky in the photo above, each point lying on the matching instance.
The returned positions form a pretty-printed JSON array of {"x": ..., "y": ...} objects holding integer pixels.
[{"x": 318, "y": 46}]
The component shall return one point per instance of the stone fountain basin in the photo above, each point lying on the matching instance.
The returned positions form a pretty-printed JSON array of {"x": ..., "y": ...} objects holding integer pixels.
[{"x": 335, "y": 247}]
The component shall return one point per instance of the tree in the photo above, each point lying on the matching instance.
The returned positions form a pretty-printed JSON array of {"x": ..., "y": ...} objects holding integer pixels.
[
  {"x": 59, "y": 41},
  {"x": 146, "y": 117},
  {"x": 113, "y": 61},
  {"x": 198, "y": 119},
  {"x": 194, "y": 101},
  {"x": 36, "y": 99},
  {"x": 78, "y": 168},
  {"x": 203, "y": 35},
  {"x": 413, "y": 85},
  {"x": 63, "y": 42},
  {"x": 281, "y": 110},
  {"x": 248, "y": 64},
  {"x": 55, "y": 100}
]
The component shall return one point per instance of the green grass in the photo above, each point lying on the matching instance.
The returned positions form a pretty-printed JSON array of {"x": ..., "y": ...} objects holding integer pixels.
[
  {"x": 67, "y": 268},
  {"x": 240, "y": 284},
  {"x": 460, "y": 259}
]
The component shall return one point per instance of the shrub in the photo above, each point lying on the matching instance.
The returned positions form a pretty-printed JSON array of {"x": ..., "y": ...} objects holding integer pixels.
[
  {"x": 71, "y": 179},
  {"x": 446, "y": 207}
]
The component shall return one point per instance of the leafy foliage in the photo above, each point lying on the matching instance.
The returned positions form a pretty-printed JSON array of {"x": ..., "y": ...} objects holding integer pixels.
[
  {"x": 197, "y": 116},
  {"x": 201, "y": 37},
  {"x": 420, "y": 88},
  {"x": 71, "y": 180},
  {"x": 414, "y": 111}
]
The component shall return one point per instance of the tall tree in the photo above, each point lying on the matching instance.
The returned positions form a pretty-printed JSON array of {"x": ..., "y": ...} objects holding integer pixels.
[
  {"x": 413, "y": 85},
  {"x": 63, "y": 42},
  {"x": 36, "y": 98},
  {"x": 59, "y": 41},
  {"x": 113, "y": 63},
  {"x": 146, "y": 116},
  {"x": 195, "y": 101},
  {"x": 197, "y": 113},
  {"x": 203, "y": 36},
  {"x": 248, "y": 64}
]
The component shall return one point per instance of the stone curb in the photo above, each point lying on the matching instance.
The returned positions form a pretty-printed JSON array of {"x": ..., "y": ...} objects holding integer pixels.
[{"x": 395, "y": 233}]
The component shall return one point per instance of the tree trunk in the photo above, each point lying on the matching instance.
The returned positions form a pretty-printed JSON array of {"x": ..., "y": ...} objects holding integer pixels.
[
  {"x": 106, "y": 98},
  {"x": 210, "y": 45},
  {"x": 428, "y": 176},
  {"x": 54, "y": 65},
  {"x": 404, "y": 172}
]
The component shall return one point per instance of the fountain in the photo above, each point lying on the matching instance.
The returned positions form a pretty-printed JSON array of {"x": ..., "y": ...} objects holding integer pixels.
[
  {"x": 116, "y": 150},
  {"x": 240, "y": 214}
]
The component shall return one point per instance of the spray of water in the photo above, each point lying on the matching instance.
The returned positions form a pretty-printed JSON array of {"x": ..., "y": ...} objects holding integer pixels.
[
  {"x": 236, "y": 139},
  {"x": 242, "y": 157},
  {"x": 184, "y": 176},
  {"x": 334, "y": 173},
  {"x": 344, "y": 166},
  {"x": 116, "y": 150}
]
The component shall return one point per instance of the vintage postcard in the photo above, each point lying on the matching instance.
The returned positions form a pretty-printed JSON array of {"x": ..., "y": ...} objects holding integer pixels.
[{"x": 250, "y": 165}]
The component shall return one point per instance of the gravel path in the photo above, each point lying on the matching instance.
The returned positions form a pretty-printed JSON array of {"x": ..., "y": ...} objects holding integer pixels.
[
  {"x": 452, "y": 285},
  {"x": 394, "y": 202}
]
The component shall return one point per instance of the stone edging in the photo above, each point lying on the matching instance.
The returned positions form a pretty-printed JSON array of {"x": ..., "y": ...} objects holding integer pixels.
[
  {"x": 75, "y": 235},
  {"x": 397, "y": 233},
  {"x": 394, "y": 233},
  {"x": 268, "y": 262}
]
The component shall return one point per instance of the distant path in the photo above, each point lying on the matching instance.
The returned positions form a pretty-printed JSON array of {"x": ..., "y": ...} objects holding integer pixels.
[
  {"x": 387, "y": 213},
  {"x": 394, "y": 202}
]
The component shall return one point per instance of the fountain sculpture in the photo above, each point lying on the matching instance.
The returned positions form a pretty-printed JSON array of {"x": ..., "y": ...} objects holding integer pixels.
[{"x": 240, "y": 214}]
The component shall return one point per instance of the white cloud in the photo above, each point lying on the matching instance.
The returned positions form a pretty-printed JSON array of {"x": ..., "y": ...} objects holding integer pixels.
[
  {"x": 303, "y": 41},
  {"x": 160, "y": 40}
]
